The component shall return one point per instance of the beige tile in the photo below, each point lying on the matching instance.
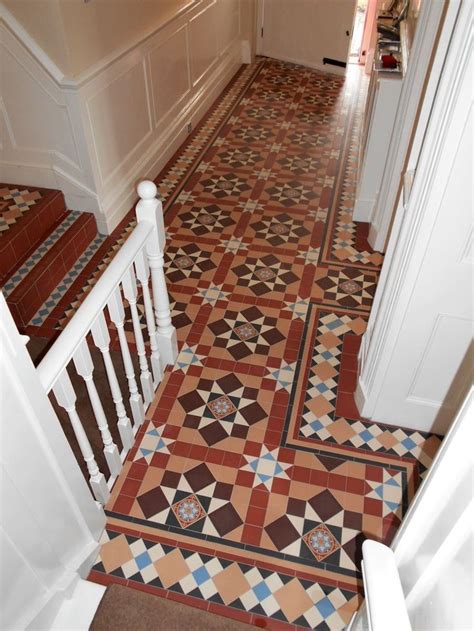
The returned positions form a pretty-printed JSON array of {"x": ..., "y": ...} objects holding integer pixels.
[
  {"x": 231, "y": 583},
  {"x": 115, "y": 553},
  {"x": 171, "y": 568},
  {"x": 293, "y": 600}
]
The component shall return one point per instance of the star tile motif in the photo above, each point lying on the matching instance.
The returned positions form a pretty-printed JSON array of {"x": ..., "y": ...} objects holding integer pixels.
[
  {"x": 350, "y": 287},
  {"x": 264, "y": 275},
  {"x": 280, "y": 229},
  {"x": 187, "y": 357},
  {"x": 266, "y": 467},
  {"x": 245, "y": 333},
  {"x": 213, "y": 294},
  {"x": 205, "y": 220},
  {"x": 187, "y": 261},
  {"x": 389, "y": 491},
  {"x": 222, "y": 186},
  {"x": 284, "y": 375},
  {"x": 290, "y": 193},
  {"x": 222, "y": 408},
  {"x": 152, "y": 442}
]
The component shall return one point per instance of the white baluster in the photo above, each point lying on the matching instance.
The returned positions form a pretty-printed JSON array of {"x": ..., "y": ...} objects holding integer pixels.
[
  {"x": 66, "y": 398},
  {"x": 117, "y": 315},
  {"x": 101, "y": 337},
  {"x": 129, "y": 285},
  {"x": 85, "y": 368},
  {"x": 143, "y": 275},
  {"x": 149, "y": 209}
]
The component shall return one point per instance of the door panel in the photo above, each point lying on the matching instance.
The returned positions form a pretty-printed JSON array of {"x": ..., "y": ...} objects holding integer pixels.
[{"x": 305, "y": 31}]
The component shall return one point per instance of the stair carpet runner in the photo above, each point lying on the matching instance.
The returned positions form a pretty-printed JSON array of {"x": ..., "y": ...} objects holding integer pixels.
[{"x": 44, "y": 248}]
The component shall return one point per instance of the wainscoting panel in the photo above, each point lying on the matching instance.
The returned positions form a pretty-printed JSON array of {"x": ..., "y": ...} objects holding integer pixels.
[
  {"x": 203, "y": 41},
  {"x": 170, "y": 73},
  {"x": 122, "y": 119}
]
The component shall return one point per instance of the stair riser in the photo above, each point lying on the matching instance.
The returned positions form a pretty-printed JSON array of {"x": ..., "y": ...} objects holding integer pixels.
[
  {"x": 31, "y": 293},
  {"x": 19, "y": 242}
]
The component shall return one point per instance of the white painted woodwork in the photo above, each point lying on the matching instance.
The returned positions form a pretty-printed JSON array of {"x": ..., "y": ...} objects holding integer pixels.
[
  {"x": 384, "y": 607},
  {"x": 414, "y": 356},
  {"x": 94, "y": 135},
  {"x": 50, "y": 524},
  {"x": 85, "y": 369},
  {"x": 142, "y": 251},
  {"x": 129, "y": 285},
  {"x": 150, "y": 209},
  {"x": 117, "y": 315},
  {"x": 433, "y": 548},
  {"x": 143, "y": 274},
  {"x": 305, "y": 32},
  {"x": 419, "y": 67},
  {"x": 101, "y": 337},
  {"x": 66, "y": 398},
  {"x": 381, "y": 109}
]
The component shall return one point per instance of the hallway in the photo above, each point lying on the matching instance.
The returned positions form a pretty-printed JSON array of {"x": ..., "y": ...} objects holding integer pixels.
[{"x": 254, "y": 482}]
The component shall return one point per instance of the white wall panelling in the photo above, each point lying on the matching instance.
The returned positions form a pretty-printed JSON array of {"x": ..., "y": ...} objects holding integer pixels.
[{"x": 95, "y": 135}]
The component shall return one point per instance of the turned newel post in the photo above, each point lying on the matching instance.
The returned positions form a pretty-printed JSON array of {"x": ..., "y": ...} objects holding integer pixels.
[{"x": 149, "y": 209}]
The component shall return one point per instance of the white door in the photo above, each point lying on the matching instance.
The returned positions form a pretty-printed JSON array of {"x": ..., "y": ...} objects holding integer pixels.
[
  {"x": 414, "y": 360},
  {"x": 306, "y": 31}
]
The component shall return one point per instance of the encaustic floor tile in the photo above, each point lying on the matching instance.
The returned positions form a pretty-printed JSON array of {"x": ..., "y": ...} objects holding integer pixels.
[{"x": 254, "y": 482}]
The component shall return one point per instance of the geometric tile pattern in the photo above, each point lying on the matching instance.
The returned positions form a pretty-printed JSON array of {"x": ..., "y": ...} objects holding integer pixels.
[
  {"x": 221, "y": 581},
  {"x": 39, "y": 253},
  {"x": 266, "y": 467},
  {"x": 222, "y": 408},
  {"x": 264, "y": 274},
  {"x": 245, "y": 333},
  {"x": 349, "y": 287},
  {"x": 254, "y": 482},
  {"x": 60, "y": 290},
  {"x": 14, "y": 203}
]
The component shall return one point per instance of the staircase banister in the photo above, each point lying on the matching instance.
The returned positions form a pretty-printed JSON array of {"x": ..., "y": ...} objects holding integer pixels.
[{"x": 80, "y": 324}]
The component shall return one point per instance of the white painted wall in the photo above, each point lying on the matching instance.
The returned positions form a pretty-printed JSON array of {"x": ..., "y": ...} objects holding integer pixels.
[
  {"x": 414, "y": 361},
  {"x": 305, "y": 31},
  {"x": 120, "y": 119},
  {"x": 50, "y": 526}
]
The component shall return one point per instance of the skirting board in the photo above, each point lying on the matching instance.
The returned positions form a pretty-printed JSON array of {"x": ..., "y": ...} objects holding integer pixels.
[
  {"x": 115, "y": 208},
  {"x": 363, "y": 209}
]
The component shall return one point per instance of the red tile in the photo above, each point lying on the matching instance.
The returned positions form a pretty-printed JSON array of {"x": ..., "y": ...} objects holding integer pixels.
[
  {"x": 373, "y": 507},
  {"x": 130, "y": 487},
  {"x": 346, "y": 406},
  {"x": 123, "y": 504},
  {"x": 251, "y": 535},
  {"x": 347, "y": 381}
]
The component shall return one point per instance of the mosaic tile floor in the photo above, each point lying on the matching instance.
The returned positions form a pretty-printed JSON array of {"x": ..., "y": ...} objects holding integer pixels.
[
  {"x": 16, "y": 201},
  {"x": 253, "y": 481}
]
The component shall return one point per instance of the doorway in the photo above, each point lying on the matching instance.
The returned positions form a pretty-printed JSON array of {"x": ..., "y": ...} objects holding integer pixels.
[{"x": 355, "y": 51}]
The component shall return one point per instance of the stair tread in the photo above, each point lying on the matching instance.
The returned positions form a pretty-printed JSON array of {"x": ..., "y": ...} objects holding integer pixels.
[
  {"x": 27, "y": 216},
  {"x": 31, "y": 284}
]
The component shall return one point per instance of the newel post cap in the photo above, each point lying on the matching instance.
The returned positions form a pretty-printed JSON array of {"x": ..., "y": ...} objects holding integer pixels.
[{"x": 147, "y": 190}]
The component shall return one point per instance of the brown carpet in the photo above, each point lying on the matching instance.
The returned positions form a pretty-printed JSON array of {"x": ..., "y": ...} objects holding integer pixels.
[
  {"x": 37, "y": 348},
  {"x": 126, "y": 609}
]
